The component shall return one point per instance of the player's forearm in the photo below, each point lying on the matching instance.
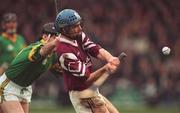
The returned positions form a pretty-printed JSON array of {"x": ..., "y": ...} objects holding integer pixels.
[
  {"x": 96, "y": 75},
  {"x": 47, "y": 48},
  {"x": 104, "y": 54}
]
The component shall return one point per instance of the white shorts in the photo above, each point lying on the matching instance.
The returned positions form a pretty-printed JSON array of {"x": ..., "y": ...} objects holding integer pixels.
[
  {"x": 76, "y": 97},
  {"x": 10, "y": 91}
]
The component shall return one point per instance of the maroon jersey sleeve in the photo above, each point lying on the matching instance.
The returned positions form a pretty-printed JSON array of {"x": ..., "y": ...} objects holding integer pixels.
[
  {"x": 69, "y": 62},
  {"x": 89, "y": 46}
]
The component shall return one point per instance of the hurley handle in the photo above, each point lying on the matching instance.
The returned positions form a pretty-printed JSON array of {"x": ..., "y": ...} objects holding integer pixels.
[{"x": 122, "y": 56}]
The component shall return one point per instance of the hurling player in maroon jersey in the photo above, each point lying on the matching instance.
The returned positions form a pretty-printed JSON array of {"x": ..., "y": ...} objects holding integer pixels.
[{"x": 74, "y": 51}]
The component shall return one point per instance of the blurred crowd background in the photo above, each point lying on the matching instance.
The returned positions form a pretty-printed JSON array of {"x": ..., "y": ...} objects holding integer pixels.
[{"x": 138, "y": 27}]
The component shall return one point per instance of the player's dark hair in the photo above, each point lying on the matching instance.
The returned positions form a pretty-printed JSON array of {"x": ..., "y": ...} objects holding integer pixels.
[{"x": 47, "y": 29}]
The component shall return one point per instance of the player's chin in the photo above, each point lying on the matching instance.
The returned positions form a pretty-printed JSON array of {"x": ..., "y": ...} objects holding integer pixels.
[{"x": 76, "y": 36}]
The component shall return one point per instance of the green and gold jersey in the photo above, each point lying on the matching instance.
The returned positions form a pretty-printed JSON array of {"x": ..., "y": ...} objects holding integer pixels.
[
  {"x": 28, "y": 65},
  {"x": 10, "y": 47}
]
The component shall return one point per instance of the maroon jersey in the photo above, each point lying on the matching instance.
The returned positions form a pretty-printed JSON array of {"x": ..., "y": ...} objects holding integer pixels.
[{"x": 75, "y": 60}]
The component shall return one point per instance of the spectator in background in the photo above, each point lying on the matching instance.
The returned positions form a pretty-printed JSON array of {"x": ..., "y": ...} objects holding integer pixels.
[{"x": 10, "y": 42}]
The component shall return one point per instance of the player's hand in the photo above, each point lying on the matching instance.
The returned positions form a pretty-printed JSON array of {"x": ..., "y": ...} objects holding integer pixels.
[
  {"x": 56, "y": 41},
  {"x": 114, "y": 61},
  {"x": 111, "y": 68},
  {"x": 53, "y": 40}
]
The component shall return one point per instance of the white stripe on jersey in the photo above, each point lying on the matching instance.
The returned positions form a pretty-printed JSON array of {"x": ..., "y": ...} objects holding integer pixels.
[
  {"x": 81, "y": 67},
  {"x": 90, "y": 46},
  {"x": 83, "y": 36},
  {"x": 66, "y": 55},
  {"x": 87, "y": 43}
]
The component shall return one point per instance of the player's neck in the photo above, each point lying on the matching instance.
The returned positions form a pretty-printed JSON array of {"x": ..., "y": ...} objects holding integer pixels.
[{"x": 67, "y": 38}]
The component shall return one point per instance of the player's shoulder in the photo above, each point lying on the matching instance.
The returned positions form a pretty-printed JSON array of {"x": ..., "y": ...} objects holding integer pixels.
[
  {"x": 38, "y": 43},
  {"x": 32, "y": 47},
  {"x": 64, "y": 48},
  {"x": 85, "y": 38},
  {"x": 35, "y": 45},
  {"x": 66, "y": 45},
  {"x": 83, "y": 35},
  {"x": 3, "y": 40},
  {"x": 1, "y": 37},
  {"x": 20, "y": 37}
]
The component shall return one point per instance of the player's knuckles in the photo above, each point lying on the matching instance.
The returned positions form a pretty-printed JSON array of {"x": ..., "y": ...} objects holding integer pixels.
[
  {"x": 115, "y": 62},
  {"x": 113, "y": 69}
]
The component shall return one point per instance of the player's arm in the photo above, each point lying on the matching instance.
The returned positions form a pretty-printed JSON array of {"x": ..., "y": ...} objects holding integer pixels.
[
  {"x": 39, "y": 52},
  {"x": 97, "y": 51},
  {"x": 95, "y": 77},
  {"x": 89, "y": 46},
  {"x": 94, "y": 49},
  {"x": 105, "y": 55},
  {"x": 69, "y": 62},
  {"x": 48, "y": 47}
]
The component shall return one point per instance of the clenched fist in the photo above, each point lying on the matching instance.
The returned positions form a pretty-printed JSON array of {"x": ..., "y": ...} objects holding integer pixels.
[
  {"x": 111, "y": 68},
  {"x": 114, "y": 61}
]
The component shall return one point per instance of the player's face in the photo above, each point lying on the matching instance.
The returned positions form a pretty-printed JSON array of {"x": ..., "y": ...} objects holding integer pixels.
[
  {"x": 75, "y": 31},
  {"x": 10, "y": 27},
  {"x": 49, "y": 37},
  {"x": 52, "y": 37}
]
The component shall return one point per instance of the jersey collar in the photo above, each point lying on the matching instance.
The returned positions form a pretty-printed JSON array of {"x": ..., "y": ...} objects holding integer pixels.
[
  {"x": 64, "y": 39},
  {"x": 43, "y": 41},
  {"x": 12, "y": 38}
]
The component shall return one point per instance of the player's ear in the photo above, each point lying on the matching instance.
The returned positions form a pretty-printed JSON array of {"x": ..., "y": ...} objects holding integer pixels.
[{"x": 63, "y": 30}]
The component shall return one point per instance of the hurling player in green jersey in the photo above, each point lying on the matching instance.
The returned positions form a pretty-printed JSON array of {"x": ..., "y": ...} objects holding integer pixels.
[
  {"x": 27, "y": 66},
  {"x": 10, "y": 42}
]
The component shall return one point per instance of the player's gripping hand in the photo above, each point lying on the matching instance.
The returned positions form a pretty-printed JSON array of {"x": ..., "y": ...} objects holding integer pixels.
[
  {"x": 114, "y": 61},
  {"x": 54, "y": 40},
  {"x": 111, "y": 68}
]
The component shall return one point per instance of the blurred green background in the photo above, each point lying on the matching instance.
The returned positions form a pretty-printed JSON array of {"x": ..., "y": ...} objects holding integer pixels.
[
  {"x": 133, "y": 110},
  {"x": 122, "y": 110}
]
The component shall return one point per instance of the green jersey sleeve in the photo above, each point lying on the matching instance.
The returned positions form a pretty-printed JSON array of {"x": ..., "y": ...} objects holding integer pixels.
[
  {"x": 34, "y": 54},
  {"x": 22, "y": 41}
]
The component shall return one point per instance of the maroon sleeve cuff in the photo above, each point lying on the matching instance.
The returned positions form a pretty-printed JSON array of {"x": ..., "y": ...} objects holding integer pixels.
[{"x": 94, "y": 51}]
